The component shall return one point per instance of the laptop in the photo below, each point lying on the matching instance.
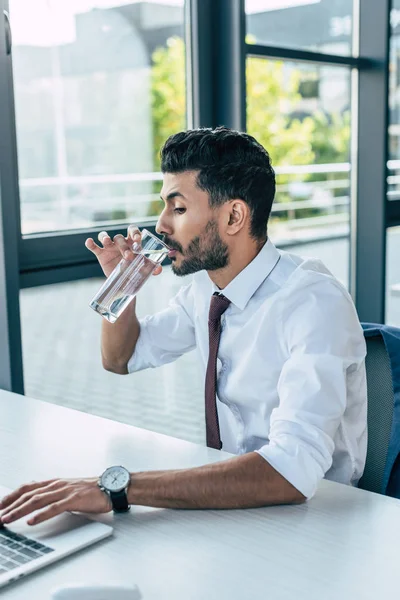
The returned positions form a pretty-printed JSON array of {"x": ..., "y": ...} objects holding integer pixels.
[{"x": 25, "y": 549}]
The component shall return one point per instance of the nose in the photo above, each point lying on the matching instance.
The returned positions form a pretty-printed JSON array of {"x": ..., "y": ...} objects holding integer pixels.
[{"x": 162, "y": 226}]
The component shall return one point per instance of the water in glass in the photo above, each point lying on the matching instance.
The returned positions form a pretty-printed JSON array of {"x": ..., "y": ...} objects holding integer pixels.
[{"x": 123, "y": 285}]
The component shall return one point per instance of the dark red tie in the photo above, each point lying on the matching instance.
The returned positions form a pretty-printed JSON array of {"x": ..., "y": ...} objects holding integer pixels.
[{"x": 218, "y": 306}]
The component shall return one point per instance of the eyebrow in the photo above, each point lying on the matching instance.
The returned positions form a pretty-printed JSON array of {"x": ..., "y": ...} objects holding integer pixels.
[{"x": 173, "y": 195}]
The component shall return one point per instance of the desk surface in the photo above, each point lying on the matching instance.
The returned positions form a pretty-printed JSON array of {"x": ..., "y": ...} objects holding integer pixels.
[{"x": 343, "y": 544}]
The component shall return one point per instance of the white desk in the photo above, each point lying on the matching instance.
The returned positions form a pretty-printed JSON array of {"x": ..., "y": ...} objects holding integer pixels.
[{"x": 343, "y": 544}]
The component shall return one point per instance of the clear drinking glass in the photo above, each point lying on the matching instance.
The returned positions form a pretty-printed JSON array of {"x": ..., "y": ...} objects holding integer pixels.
[{"x": 129, "y": 276}]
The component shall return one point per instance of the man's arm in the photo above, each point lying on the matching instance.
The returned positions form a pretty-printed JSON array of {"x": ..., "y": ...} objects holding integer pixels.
[
  {"x": 118, "y": 340},
  {"x": 246, "y": 481}
]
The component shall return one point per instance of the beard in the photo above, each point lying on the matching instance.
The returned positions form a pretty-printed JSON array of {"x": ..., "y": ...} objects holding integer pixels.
[{"x": 206, "y": 251}]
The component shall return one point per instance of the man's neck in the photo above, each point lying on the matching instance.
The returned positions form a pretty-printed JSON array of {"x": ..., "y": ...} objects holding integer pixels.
[{"x": 238, "y": 261}]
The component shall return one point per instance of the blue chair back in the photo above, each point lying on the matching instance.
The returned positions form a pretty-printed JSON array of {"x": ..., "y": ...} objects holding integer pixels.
[{"x": 380, "y": 414}]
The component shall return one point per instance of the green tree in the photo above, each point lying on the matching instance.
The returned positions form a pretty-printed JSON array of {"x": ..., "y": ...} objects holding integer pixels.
[
  {"x": 331, "y": 137},
  {"x": 272, "y": 100},
  {"x": 272, "y": 95},
  {"x": 168, "y": 93}
]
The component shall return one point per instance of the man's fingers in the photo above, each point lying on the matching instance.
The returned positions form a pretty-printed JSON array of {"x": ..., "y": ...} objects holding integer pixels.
[
  {"x": 35, "y": 502},
  {"x": 104, "y": 238},
  {"x": 25, "y": 497},
  {"x": 23, "y": 489},
  {"x": 92, "y": 246},
  {"x": 52, "y": 511},
  {"x": 134, "y": 233},
  {"x": 121, "y": 243},
  {"x": 157, "y": 270},
  {"x": 20, "y": 501}
]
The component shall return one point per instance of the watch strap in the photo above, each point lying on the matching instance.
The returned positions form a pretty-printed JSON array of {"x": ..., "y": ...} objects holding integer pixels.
[{"x": 119, "y": 501}]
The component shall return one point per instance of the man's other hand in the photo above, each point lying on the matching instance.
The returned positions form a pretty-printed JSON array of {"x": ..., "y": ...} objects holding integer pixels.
[{"x": 55, "y": 496}]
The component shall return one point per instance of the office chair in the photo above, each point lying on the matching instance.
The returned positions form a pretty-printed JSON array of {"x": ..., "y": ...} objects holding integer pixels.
[{"x": 380, "y": 413}]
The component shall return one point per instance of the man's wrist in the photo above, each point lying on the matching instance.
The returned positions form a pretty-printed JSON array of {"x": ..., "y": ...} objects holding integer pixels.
[
  {"x": 130, "y": 492},
  {"x": 103, "y": 491},
  {"x": 108, "y": 498}
]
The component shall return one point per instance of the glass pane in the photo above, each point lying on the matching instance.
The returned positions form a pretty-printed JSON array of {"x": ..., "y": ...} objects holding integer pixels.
[
  {"x": 62, "y": 361},
  {"x": 99, "y": 85},
  {"x": 394, "y": 105},
  {"x": 393, "y": 277},
  {"x": 319, "y": 25},
  {"x": 301, "y": 115}
]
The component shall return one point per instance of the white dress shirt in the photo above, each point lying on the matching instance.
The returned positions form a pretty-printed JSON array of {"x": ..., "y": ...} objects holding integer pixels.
[{"x": 291, "y": 365}]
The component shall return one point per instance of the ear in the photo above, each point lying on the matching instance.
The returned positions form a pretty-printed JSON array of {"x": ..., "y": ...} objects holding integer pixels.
[{"x": 237, "y": 216}]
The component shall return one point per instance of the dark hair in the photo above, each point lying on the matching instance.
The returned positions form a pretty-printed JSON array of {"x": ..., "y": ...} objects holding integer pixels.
[{"x": 231, "y": 165}]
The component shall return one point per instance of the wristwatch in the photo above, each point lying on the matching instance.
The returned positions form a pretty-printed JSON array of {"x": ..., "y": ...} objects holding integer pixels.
[{"x": 115, "y": 482}]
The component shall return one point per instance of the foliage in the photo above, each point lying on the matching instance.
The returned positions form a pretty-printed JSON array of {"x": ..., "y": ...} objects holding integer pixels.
[
  {"x": 168, "y": 93},
  {"x": 271, "y": 98},
  {"x": 273, "y": 117}
]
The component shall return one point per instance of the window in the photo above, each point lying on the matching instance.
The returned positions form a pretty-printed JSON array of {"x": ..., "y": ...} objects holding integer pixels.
[
  {"x": 308, "y": 138},
  {"x": 99, "y": 85},
  {"x": 62, "y": 361},
  {"x": 319, "y": 25},
  {"x": 97, "y": 93}
]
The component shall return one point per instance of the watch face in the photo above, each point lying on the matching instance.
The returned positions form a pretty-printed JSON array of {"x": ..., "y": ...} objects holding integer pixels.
[{"x": 115, "y": 479}]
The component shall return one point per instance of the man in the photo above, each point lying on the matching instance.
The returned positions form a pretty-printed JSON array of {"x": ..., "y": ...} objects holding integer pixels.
[{"x": 289, "y": 396}]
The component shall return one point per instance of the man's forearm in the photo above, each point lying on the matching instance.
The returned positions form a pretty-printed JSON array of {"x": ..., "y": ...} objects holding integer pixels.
[
  {"x": 118, "y": 340},
  {"x": 246, "y": 481}
]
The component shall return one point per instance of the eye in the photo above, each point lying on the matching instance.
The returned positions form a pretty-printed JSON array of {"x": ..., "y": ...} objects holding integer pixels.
[{"x": 180, "y": 211}]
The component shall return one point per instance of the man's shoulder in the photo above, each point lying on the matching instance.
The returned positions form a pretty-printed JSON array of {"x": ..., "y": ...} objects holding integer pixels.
[
  {"x": 305, "y": 271},
  {"x": 310, "y": 279}
]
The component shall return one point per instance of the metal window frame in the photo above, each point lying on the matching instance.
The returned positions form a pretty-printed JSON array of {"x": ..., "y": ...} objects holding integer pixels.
[
  {"x": 11, "y": 370},
  {"x": 298, "y": 55},
  {"x": 371, "y": 212},
  {"x": 370, "y": 205},
  {"x": 62, "y": 256},
  {"x": 217, "y": 39}
]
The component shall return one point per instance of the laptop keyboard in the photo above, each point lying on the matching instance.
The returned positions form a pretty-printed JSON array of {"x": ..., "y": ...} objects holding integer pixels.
[{"x": 16, "y": 550}]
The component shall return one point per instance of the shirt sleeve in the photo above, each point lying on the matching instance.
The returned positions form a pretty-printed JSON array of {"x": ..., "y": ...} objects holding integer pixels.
[
  {"x": 166, "y": 335},
  {"x": 324, "y": 342}
]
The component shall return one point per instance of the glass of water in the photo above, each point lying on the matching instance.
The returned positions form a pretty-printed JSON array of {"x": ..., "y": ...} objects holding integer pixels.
[{"x": 129, "y": 276}]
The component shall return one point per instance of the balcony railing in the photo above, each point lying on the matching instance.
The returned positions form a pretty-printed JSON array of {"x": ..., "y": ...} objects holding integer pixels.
[{"x": 312, "y": 201}]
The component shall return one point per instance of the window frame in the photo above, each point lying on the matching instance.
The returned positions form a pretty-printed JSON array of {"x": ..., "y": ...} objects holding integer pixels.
[{"x": 369, "y": 63}]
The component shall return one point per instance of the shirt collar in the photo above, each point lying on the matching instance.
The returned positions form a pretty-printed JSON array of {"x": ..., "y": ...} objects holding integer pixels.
[{"x": 243, "y": 287}]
